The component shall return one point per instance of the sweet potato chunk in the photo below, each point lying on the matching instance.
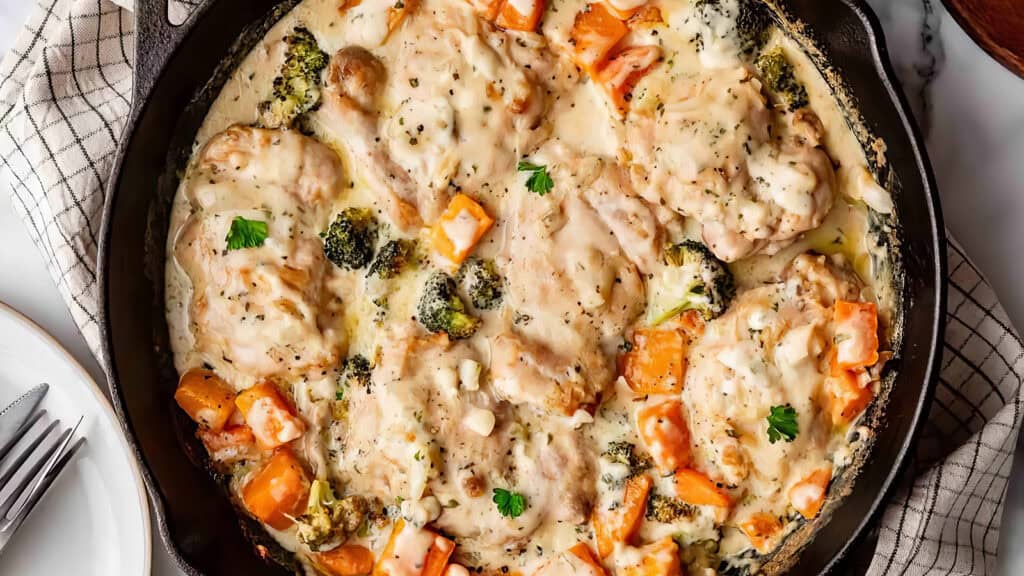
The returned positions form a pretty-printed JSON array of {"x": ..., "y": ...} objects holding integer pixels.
[
  {"x": 846, "y": 396},
  {"x": 269, "y": 415},
  {"x": 346, "y": 560},
  {"x": 622, "y": 72},
  {"x": 664, "y": 434},
  {"x": 760, "y": 528},
  {"x": 431, "y": 560},
  {"x": 594, "y": 34},
  {"x": 458, "y": 230},
  {"x": 646, "y": 16},
  {"x": 278, "y": 492},
  {"x": 657, "y": 362},
  {"x": 808, "y": 495},
  {"x": 621, "y": 524},
  {"x": 206, "y": 398},
  {"x": 696, "y": 488},
  {"x": 510, "y": 17},
  {"x": 582, "y": 551},
  {"x": 856, "y": 337}
]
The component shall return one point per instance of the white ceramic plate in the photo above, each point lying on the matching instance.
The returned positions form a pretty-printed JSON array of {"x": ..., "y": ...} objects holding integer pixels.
[{"x": 94, "y": 520}]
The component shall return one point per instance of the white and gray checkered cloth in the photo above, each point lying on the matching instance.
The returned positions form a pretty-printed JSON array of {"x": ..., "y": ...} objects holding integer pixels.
[{"x": 65, "y": 90}]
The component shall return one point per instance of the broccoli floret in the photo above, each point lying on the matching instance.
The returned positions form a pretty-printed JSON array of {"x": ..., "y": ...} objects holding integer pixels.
[
  {"x": 480, "y": 279},
  {"x": 297, "y": 87},
  {"x": 622, "y": 452},
  {"x": 357, "y": 371},
  {"x": 329, "y": 520},
  {"x": 700, "y": 556},
  {"x": 753, "y": 26},
  {"x": 392, "y": 258},
  {"x": 780, "y": 78},
  {"x": 348, "y": 242},
  {"x": 751, "y": 18},
  {"x": 666, "y": 509},
  {"x": 692, "y": 280},
  {"x": 441, "y": 310}
]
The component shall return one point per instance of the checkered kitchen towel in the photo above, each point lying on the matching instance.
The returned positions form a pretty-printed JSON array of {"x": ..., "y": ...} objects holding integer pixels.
[{"x": 65, "y": 89}]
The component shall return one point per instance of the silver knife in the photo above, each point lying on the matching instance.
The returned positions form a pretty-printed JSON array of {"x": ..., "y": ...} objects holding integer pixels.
[{"x": 18, "y": 415}]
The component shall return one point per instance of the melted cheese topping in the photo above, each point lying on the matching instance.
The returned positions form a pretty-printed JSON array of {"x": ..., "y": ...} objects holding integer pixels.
[{"x": 533, "y": 399}]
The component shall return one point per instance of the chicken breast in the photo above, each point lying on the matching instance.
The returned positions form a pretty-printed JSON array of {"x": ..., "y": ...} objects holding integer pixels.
[
  {"x": 714, "y": 152},
  {"x": 467, "y": 102},
  {"x": 630, "y": 218},
  {"x": 419, "y": 432},
  {"x": 283, "y": 180},
  {"x": 574, "y": 290},
  {"x": 353, "y": 83},
  {"x": 768, "y": 350}
]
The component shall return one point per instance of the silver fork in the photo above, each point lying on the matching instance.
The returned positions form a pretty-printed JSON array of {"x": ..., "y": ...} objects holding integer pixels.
[{"x": 32, "y": 454}]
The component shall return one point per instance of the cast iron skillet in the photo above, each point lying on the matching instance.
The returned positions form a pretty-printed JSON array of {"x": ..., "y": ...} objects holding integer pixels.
[{"x": 178, "y": 73}]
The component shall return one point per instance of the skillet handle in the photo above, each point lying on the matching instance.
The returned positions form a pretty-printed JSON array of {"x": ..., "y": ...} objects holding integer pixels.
[{"x": 156, "y": 39}]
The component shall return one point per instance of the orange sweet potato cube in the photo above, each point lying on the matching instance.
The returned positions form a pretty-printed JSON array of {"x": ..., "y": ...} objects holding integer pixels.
[
  {"x": 458, "y": 230},
  {"x": 594, "y": 34},
  {"x": 623, "y": 71},
  {"x": 510, "y": 18},
  {"x": 206, "y": 398},
  {"x": 665, "y": 435},
  {"x": 760, "y": 528},
  {"x": 856, "y": 336},
  {"x": 346, "y": 560},
  {"x": 269, "y": 415},
  {"x": 278, "y": 491},
  {"x": 696, "y": 488},
  {"x": 808, "y": 495},
  {"x": 657, "y": 362},
  {"x": 621, "y": 524}
]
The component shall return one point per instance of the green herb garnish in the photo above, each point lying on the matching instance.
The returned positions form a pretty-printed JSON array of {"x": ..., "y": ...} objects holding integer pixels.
[
  {"x": 782, "y": 424},
  {"x": 540, "y": 181},
  {"x": 246, "y": 233},
  {"x": 510, "y": 504}
]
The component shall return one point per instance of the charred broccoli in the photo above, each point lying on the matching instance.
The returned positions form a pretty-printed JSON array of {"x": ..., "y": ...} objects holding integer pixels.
[
  {"x": 692, "y": 280},
  {"x": 480, "y": 279},
  {"x": 348, "y": 242},
  {"x": 752, "y": 22},
  {"x": 780, "y": 78},
  {"x": 357, "y": 371},
  {"x": 441, "y": 310},
  {"x": 329, "y": 520},
  {"x": 622, "y": 452},
  {"x": 297, "y": 88},
  {"x": 666, "y": 509},
  {"x": 392, "y": 259}
]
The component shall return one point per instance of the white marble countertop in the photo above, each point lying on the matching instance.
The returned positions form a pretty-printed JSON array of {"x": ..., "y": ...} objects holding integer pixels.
[{"x": 972, "y": 112}]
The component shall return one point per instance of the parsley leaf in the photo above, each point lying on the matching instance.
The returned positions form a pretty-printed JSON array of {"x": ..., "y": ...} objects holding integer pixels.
[
  {"x": 510, "y": 504},
  {"x": 782, "y": 424},
  {"x": 246, "y": 233},
  {"x": 540, "y": 181}
]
